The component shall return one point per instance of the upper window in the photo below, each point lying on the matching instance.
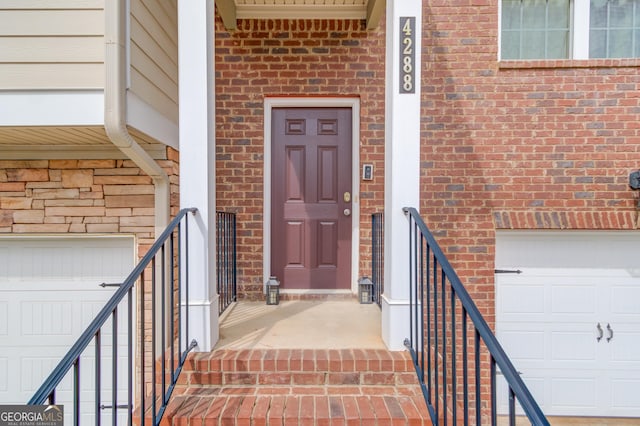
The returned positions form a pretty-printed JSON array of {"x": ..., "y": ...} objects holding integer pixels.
[{"x": 570, "y": 29}]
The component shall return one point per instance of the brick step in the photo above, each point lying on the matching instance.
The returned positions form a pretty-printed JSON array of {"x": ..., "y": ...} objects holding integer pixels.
[
  {"x": 291, "y": 367},
  {"x": 297, "y": 387},
  {"x": 231, "y": 406}
]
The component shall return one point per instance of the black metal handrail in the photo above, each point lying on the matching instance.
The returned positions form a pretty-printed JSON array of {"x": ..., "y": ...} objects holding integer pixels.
[
  {"x": 377, "y": 256},
  {"x": 226, "y": 259},
  {"x": 437, "y": 297},
  {"x": 169, "y": 337}
]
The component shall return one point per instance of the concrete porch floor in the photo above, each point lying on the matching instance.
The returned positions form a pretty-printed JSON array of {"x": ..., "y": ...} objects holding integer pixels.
[{"x": 301, "y": 324}]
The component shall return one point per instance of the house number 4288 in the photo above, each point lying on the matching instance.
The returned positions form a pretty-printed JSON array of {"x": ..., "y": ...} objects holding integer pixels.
[{"x": 407, "y": 54}]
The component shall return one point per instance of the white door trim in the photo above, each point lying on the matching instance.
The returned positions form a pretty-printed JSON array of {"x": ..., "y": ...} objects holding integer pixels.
[{"x": 354, "y": 104}]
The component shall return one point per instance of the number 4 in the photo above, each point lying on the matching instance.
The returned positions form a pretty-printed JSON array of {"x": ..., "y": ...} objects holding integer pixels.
[{"x": 406, "y": 28}]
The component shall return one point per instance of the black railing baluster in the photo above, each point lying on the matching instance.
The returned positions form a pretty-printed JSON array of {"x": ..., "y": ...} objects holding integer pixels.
[
  {"x": 494, "y": 409},
  {"x": 76, "y": 392},
  {"x": 465, "y": 366},
  {"x": 97, "y": 367},
  {"x": 130, "y": 359},
  {"x": 444, "y": 345},
  {"x": 163, "y": 330},
  {"x": 476, "y": 357},
  {"x": 454, "y": 371},
  {"x": 429, "y": 343},
  {"x": 180, "y": 282},
  {"x": 377, "y": 256},
  {"x": 512, "y": 407},
  {"x": 172, "y": 302},
  {"x": 421, "y": 303},
  {"x": 436, "y": 359},
  {"x": 430, "y": 279},
  {"x": 143, "y": 406},
  {"x": 114, "y": 368},
  {"x": 186, "y": 282},
  {"x": 153, "y": 341}
]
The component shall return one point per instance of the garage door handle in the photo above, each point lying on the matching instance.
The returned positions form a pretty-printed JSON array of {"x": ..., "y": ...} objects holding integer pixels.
[
  {"x": 600, "y": 333},
  {"x": 103, "y": 285},
  {"x": 610, "y": 330}
]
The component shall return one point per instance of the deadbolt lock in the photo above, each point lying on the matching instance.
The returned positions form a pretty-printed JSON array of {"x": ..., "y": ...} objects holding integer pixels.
[{"x": 346, "y": 197}]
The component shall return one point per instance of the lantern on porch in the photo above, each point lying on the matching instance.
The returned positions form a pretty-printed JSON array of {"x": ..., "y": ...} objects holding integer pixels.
[
  {"x": 273, "y": 291},
  {"x": 365, "y": 290}
]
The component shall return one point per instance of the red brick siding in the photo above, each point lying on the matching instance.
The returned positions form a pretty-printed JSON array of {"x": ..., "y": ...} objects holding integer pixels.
[
  {"x": 527, "y": 145},
  {"x": 290, "y": 58}
]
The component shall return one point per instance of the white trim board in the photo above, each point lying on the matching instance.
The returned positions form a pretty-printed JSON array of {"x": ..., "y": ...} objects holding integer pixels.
[
  {"x": 52, "y": 108},
  {"x": 354, "y": 104}
]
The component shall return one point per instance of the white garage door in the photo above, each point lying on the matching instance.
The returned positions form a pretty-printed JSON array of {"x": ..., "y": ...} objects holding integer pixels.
[
  {"x": 49, "y": 293},
  {"x": 571, "y": 319}
]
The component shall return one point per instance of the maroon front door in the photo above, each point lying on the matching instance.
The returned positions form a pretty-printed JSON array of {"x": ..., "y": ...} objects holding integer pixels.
[{"x": 311, "y": 197}]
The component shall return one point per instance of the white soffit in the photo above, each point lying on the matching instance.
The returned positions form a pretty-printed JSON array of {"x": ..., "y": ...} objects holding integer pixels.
[
  {"x": 298, "y": 9},
  {"x": 302, "y": 9}
]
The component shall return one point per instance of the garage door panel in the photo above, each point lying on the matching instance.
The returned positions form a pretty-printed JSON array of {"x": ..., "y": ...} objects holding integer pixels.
[
  {"x": 583, "y": 376},
  {"x": 4, "y": 372},
  {"x": 522, "y": 299},
  {"x": 572, "y": 394},
  {"x": 49, "y": 293},
  {"x": 625, "y": 300},
  {"x": 624, "y": 394},
  {"x": 624, "y": 347},
  {"x": 42, "y": 318},
  {"x": 572, "y": 346},
  {"x": 4, "y": 318},
  {"x": 524, "y": 345},
  {"x": 573, "y": 299}
]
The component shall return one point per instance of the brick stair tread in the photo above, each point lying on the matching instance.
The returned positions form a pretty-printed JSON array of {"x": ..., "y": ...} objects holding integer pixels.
[
  {"x": 316, "y": 387},
  {"x": 298, "y": 367},
  {"x": 250, "y": 407}
]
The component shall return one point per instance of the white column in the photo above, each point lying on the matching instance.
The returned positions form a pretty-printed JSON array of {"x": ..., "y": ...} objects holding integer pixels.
[
  {"x": 197, "y": 162},
  {"x": 402, "y": 161}
]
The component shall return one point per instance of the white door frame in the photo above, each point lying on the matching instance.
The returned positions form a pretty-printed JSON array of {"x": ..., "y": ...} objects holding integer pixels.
[{"x": 354, "y": 104}]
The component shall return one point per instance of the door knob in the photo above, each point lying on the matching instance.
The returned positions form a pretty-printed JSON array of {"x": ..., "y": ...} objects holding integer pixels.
[{"x": 347, "y": 212}]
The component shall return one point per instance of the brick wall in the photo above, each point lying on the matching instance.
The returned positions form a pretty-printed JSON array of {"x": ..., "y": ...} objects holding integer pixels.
[
  {"x": 290, "y": 58},
  {"x": 519, "y": 145}
]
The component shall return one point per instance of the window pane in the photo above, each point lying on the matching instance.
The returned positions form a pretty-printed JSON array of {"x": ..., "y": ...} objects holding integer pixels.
[
  {"x": 510, "y": 14},
  {"x": 557, "y": 42},
  {"x": 613, "y": 28},
  {"x": 636, "y": 43},
  {"x": 558, "y": 14},
  {"x": 620, "y": 44},
  {"x": 533, "y": 45},
  {"x": 598, "y": 44},
  {"x": 510, "y": 48},
  {"x": 620, "y": 13},
  {"x": 534, "y": 14},
  {"x": 535, "y": 29}
]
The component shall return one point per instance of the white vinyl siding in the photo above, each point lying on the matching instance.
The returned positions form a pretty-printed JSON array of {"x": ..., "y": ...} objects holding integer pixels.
[
  {"x": 51, "y": 44},
  {"x": 154, "y": 54}
]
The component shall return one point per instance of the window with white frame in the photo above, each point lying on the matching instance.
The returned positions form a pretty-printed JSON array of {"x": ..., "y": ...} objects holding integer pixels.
[{"x": 570, "y": 29}]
